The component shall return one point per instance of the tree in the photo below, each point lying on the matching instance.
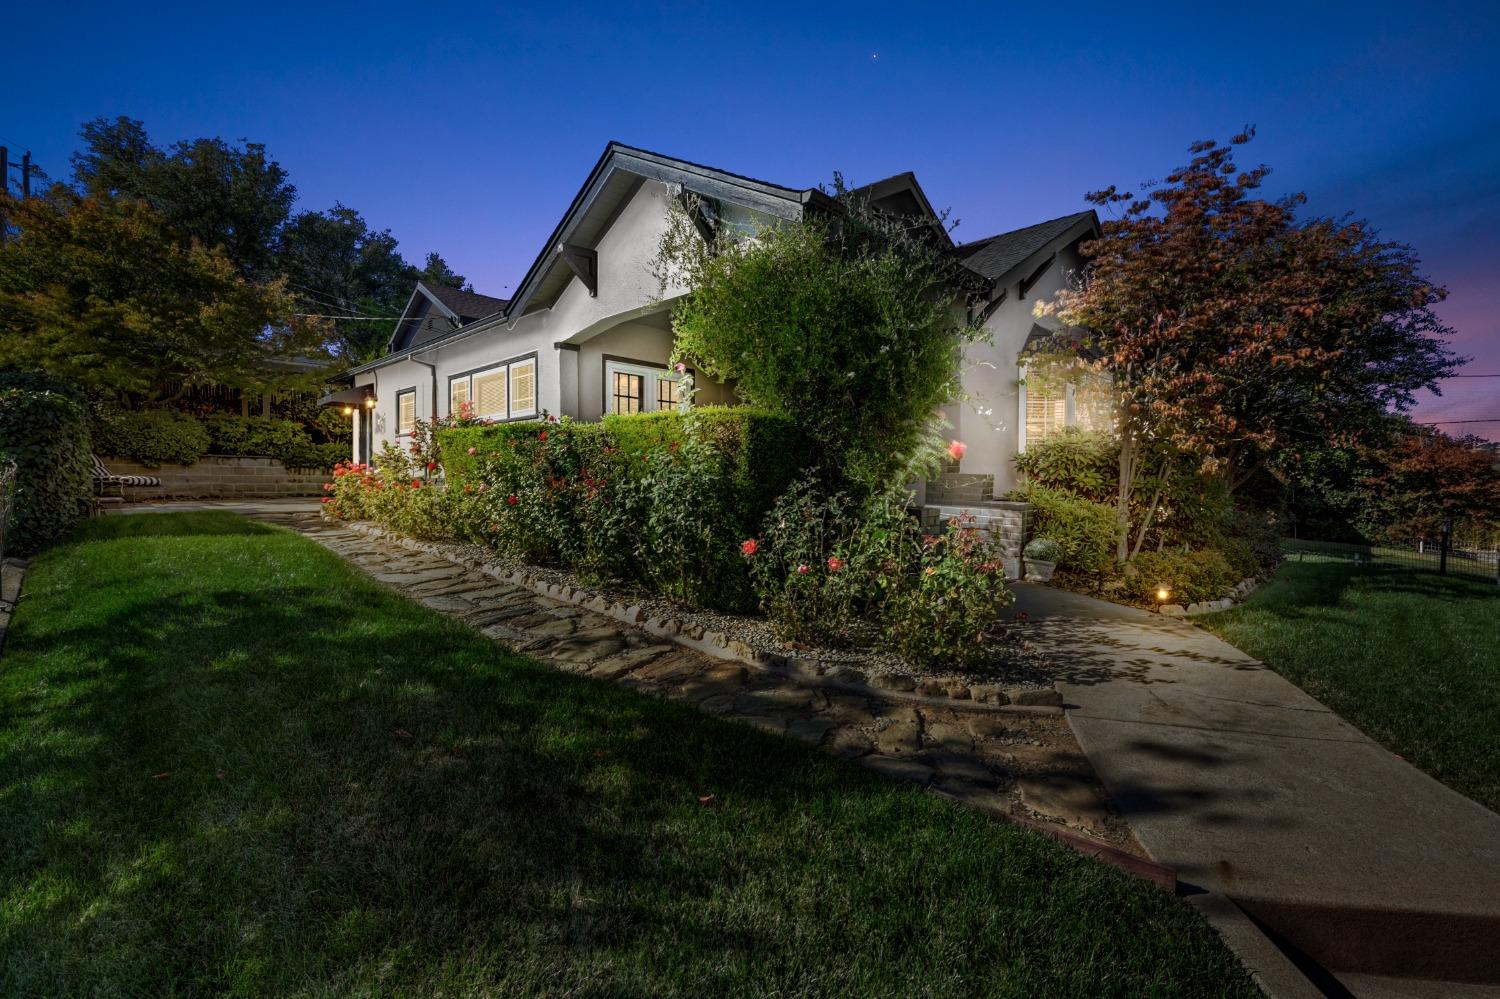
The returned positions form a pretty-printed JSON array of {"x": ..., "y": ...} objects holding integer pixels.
[
  {"x": 839, "y": 322},
  {"x": 1425, "y": 478},
  {"x": 337, "y": 265},
  {"x": 438, "y": 272},
  {"x": 103, "y": 294},
  {"x": 1229, "y": 330},
  {"x": 235, "y": 197}
]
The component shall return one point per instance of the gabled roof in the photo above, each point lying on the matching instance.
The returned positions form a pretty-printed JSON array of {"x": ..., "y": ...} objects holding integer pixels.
[
  {"x": 466, "y": 305},
  {"x": 446, "y": 309},
  {"x": 902, "y": 195},
  {"x": 998, "y": 255}
]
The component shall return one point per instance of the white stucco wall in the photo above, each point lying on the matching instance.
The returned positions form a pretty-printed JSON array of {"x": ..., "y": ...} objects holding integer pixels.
[
  {"x": 609, "y": 323},
  {"x": 989, "y": 422}
]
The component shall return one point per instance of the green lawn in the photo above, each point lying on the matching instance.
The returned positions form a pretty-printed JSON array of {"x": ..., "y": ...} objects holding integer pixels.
[
  {"x": 1410, "y": 658},
  {"x": 231, "y": 764}
]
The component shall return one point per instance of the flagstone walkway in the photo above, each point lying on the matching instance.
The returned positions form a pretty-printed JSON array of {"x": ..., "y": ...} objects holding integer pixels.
[{"x": 1023, "y": 764}]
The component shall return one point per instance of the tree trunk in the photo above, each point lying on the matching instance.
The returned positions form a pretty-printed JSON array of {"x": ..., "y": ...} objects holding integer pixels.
[{"x": 1126, "y": 484}]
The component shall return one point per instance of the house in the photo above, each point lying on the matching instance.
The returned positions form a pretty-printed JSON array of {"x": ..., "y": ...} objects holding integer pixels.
[{"x": 588, "y": 329}]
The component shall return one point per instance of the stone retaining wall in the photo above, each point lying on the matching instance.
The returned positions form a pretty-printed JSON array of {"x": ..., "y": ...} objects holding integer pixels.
[{"x": 218, "y": 477}]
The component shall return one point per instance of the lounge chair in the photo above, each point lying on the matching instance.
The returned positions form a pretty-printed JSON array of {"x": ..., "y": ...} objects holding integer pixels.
[{"x": 104, "y": 480}]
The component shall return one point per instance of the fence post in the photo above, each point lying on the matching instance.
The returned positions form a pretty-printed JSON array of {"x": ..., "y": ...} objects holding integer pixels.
[{"x": 1443, "y": 552}]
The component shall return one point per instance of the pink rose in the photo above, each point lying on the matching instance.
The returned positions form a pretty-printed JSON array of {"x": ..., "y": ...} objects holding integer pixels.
[
  {"x": 957, "y": 449},
  {"x": 473, "y": 451},
  {"x": 802, "y": 570},
  {"x": 835, "y": 563}
]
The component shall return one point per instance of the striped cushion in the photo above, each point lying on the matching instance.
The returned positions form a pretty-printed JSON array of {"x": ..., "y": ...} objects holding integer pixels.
[{"x": 104, "y": 476}]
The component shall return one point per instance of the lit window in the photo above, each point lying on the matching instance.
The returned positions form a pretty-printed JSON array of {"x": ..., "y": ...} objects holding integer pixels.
[
  {"x": 523, "y": 388},
  {"x": 489, "y": 394},
  {"x": 1046, "y": 414},
  {"x": 628, "y": 392},
  {"x": 641, "y": 388},
  {"x": 406, "y": 411},
  {"x": 668, "y": 393}
]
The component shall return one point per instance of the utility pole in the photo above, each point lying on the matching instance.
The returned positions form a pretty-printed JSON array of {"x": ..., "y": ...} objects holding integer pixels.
[
  {"x": 4, "y": 189},
  {"x": 26, "y": 175}
]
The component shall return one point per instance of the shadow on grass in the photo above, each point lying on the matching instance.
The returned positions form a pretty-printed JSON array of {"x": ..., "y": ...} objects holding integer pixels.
[{"x": 228, "y": 764}]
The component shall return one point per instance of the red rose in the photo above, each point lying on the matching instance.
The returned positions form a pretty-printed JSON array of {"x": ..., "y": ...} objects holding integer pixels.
[
  {"x": 835, "y": 563},
  {"x": 432, "y": 466},
  {"x": 749, "y": 547},
  {"x": 512, "y": 500},
  {"x": 802, "y": 570},
  {"x": 542, "y": 436},
  {"x": 416, "y": 483}
]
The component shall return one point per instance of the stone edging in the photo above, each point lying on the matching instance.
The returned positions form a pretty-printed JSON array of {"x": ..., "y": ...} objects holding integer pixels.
[
  {"x": 979, "y": 697},
  {"x": 1241, "y": 591},
  {"x": 12, "y": 573}
]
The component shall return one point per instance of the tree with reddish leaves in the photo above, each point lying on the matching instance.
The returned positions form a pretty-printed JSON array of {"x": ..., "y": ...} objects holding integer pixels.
[
  {"x": 1425, "y": 478},
  {"x": 1229, "y": 329}
]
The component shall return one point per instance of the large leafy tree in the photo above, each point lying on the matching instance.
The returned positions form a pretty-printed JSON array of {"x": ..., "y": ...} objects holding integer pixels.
[
  {"x": 845, "y": 322},
  {"x": 230, "y": 196},
  {"x": 1230, "y": 330},
  {"x": 1423, "y": 478},
  {"x": 103, "y": 294}
]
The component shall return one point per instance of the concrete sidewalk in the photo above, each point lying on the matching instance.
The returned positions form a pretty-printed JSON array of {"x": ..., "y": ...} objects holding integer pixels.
[{"x": 1251, "y": 788}]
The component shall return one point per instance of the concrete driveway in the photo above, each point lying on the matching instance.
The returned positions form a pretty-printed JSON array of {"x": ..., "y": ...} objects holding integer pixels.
[{"x": 1251, "y": 788}]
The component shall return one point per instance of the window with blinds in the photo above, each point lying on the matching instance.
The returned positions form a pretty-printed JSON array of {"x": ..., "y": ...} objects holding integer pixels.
[
  {"x": 489, "y": 395},
  {"x": 458, "y": 393},
  {"x": 1046, "y": 414},
  {"x": 406, "y": 411},
  {"x": 523, "y": 388}
]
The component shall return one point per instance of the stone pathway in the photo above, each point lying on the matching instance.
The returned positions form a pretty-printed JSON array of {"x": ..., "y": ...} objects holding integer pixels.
[
  {"x": 1022, "y": 763},
  {"x": 1249, "y": 787}
]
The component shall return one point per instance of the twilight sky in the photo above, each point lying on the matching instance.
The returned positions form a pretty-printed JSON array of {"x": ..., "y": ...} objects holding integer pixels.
[{"x": 468, "y": 128}]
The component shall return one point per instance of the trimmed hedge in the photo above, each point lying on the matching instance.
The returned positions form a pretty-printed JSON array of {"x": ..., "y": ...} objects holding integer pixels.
[
  {"x": 152, "y": 437},
  {"x": 761, "y": 451},
  {"x": 47, "y": 436},
  {"x": 285, "y": 440}
]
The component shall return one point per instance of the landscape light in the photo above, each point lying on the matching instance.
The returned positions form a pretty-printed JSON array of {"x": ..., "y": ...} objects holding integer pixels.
[{"x": 1162, "y": 593}]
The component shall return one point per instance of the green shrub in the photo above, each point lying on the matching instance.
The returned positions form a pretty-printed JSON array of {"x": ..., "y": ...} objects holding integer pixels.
[
  {"x": 1081, "y": 462},
  {"x": 1043, "y": 550},
  {"x": 1087, "y": 532},
  {"x": 152, "y": 437},
  {"x": 47, "y": 436},
  {"x": 945, "y": 598},
  {"x": 1193, "y": 577},
  {"x": 808, "y": 566},
  {"x": 1257, "y": 533},
  {"x": 847, "y": 330},
  {"x": 285, "y": 440}
]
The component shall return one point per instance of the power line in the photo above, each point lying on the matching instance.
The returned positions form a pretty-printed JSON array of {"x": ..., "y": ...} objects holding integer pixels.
[
  {"x": 1472, "y": 376},
  {"x": 378, "y": 319},
  {"x": 1449, "y": 423}
]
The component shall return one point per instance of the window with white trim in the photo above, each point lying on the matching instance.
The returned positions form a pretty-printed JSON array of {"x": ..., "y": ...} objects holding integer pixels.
[
  {"x": 506, "y": 391},
  {"x": 640, "y": 388},
  {"x": 406, "y": 411},
  {"x": 1048, "y": 407}
]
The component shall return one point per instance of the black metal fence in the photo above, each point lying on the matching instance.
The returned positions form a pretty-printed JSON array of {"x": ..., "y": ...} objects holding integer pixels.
[{"x": 1463, "y": 550}]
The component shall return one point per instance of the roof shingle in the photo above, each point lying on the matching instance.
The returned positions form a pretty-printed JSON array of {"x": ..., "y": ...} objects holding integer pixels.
[{"x": 995, "y": 256}]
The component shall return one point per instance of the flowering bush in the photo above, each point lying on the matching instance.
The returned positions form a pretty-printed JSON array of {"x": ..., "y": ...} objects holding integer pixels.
[
  {"x": 945, "y": 597},
  {"x": 808, "y": 566}
]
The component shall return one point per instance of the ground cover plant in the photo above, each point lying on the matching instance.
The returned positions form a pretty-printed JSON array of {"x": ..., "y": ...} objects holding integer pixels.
[
  {"x": 1408, "y": 657},
  {"x": 229, "y": 763}
]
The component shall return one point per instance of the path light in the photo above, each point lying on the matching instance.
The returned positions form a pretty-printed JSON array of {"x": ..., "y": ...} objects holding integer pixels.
[{"x": 1162, "y": 594}]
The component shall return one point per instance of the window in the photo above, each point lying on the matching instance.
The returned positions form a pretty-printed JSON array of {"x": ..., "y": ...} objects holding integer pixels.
[
  {"x": 523, "y": 388},
  {"x": 631, "y": 387},
  {"x": 1046, "y": 413},
  {"x": 505, "y": 391},
  {"x": 406, "y": 411}
]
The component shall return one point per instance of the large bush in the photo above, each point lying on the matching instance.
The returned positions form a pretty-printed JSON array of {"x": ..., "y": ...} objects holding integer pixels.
[
  {"x": 152, "y": 437},
  {"x": 851, "y": 334},
  {"x": 1086, "y": 531},
  {"x": 1077, "y": 461},
  {"x": 285, "y": 440},
  {"x": 47, "y": 435},
  {"x": 1192, "y": 577}
]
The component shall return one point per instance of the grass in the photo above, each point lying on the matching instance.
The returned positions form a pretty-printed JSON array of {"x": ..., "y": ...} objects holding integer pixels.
[
  {"x": 1410, "y": 658},
  {"x": 230, "y": 764}
]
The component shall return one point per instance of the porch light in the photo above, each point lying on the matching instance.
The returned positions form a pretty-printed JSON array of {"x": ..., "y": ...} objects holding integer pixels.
[
  {"x": 369, "y": 402},
  {"x": 348, "y": 410},
  {"x": 1162, "y": 594}
]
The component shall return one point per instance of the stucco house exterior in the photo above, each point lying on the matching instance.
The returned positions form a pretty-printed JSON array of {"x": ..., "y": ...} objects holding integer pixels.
[{"x": 588, "y": 329}]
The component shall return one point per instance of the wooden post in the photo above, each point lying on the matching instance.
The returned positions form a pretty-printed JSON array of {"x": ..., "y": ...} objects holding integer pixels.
[{"x": 1443, "y": 553}]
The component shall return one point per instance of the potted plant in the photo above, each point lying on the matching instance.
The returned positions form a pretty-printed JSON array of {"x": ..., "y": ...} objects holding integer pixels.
[{"x": 1042, "y": 556}]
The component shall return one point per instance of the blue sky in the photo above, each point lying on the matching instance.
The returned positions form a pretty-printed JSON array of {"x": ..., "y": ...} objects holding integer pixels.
[{"x": 467, "y": 128}]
